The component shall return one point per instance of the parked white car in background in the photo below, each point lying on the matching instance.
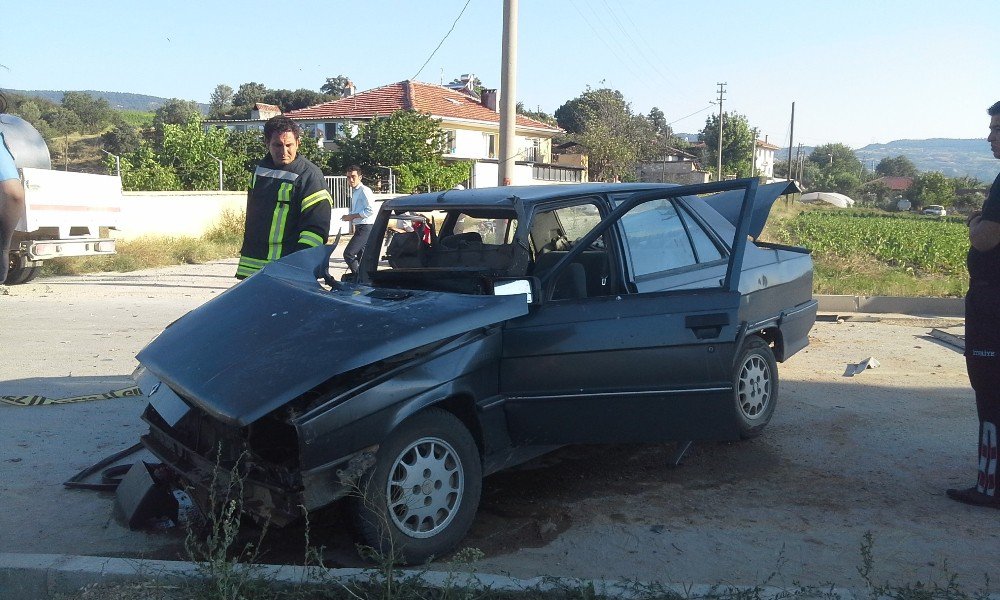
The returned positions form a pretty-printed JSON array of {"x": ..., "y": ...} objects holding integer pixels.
[{"x": 934, "y": 209}]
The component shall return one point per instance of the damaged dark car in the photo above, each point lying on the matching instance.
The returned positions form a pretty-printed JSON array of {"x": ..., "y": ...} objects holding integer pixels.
[{"x": 485, "y": 327}]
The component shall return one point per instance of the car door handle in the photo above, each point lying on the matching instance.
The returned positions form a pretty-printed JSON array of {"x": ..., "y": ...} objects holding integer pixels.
[{"x": 706, "y": 326}]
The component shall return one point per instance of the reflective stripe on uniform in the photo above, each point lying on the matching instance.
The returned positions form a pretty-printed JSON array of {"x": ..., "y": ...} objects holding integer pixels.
[
  {"x": 314, "y": 199},
  {"x": 248, "y": 266},
  {"x": 278, "y": 221},
  {"x": 275, "y": 174},
  {"x": 310, "y": 238}
]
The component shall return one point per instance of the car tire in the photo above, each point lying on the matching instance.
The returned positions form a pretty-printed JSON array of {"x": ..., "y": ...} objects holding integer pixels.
[
  {"x": 755, "y": 386},
  {"x": 19, "y": 275},
  {"x": 408, "y": 517}
]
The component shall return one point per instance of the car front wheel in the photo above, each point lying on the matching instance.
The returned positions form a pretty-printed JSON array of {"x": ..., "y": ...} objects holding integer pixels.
[
  {"x": 421, "y": 497},
  {"x": 755, "y": 386}
]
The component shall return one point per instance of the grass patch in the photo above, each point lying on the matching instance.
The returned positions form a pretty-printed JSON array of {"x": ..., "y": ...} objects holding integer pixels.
[
  {"x": 864, "y": 277},
  {"x": 222, "y": 240}
]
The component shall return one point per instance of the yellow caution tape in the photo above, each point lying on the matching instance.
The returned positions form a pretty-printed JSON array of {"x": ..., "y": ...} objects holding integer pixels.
[{"x": 131, "y": 392}]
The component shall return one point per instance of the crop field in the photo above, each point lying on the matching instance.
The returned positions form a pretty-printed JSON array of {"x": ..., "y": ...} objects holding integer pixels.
[
  {"x": 879, "y": 253},
  {"x": 923, "y": 244}
]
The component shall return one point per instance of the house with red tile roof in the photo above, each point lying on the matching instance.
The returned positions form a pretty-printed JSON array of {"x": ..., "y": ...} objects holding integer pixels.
[
  {"x": 894, "y": 183},
  {"x": 470, "y": 121}
]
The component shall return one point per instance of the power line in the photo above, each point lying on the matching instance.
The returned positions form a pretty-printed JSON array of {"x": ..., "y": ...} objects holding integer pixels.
[
  {"x": 462, "y": 12},
  {"x": 692, "y": 114},
  {"x": 642, "y": 51},
  {"x": 598, "y": 35}
]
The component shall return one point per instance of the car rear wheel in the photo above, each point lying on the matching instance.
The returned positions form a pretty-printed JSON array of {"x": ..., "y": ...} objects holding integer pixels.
[
  {"x": 755, "y": 386},
  {"x": 17, "y": 275},
  {"x": 421, "y": 497}
]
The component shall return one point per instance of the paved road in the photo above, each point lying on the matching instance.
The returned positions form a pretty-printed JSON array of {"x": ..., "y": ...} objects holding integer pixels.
[{"x": 843, "y": 456}]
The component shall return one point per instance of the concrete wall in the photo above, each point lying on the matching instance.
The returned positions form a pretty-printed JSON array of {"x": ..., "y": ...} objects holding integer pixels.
[{"x": 190, "y": 213}]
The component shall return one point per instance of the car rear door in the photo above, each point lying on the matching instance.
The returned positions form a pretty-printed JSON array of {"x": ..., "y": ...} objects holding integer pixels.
[{"x": 646, "y": 364}]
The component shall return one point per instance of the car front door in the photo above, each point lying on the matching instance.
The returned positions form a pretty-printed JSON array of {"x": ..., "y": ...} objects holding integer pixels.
[{"x": 648, "y": 363}]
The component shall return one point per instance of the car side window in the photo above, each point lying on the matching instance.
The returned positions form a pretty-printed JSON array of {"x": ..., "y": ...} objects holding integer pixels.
[
  {"x": 553, "y": 234},
  {"x": 705, "y": 249},
  {"x": 657, "y": 238}
]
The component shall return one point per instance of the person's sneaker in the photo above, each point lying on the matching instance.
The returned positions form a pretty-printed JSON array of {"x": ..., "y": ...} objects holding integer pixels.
[{"x": 973, "y": 496}]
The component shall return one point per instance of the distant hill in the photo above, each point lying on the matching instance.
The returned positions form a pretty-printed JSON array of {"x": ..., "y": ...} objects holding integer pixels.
[
  {"x": 953, "y": 157},
  {"x": 117, "y": 100},
  {"x": 949, "y": 156}
]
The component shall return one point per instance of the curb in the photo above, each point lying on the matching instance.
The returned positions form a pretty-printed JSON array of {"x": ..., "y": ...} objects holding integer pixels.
[
  {"x": 41, "y": 576},
  {"x": 926, "y": 307}
]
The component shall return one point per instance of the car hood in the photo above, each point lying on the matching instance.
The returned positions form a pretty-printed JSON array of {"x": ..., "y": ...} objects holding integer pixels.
[
  {"x": 728, "y": 204},
  {"x": 279, "y": 333}
]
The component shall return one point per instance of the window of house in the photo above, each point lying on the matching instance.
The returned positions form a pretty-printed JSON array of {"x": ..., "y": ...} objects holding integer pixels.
[
  {"x": 333, "y": 131},
  {"x": 450, "y": 141},
  {"x": 491, "y": 145}
]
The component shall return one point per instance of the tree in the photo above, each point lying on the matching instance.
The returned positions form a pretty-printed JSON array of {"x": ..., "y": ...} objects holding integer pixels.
[
  {"x": 142, "y": 171},
  {"x": 247, "y": 95},
  {"x": 121, "y": 139},
  {"x": 403, "y": 137},
  {"x": 838, "y": 157},
  {"x": 220, "y": 101},
  {"x": 175, "y": 112},
  {"x": 288, "y": 100},
  {"x": 834, "y": 168},
  {"x": 932, "y": 188},
  {"x": 658, "y": 121},
  {"x": 616, "y": 139},
  {"x": 409, "y": 142},
  {"x": 334, "y": 86},
  {"x": 898, "y": 166},
  {"x": 537, "y": 115},
  {"x": 737, "y": 145},
  {"x": 95, "y": 114}
]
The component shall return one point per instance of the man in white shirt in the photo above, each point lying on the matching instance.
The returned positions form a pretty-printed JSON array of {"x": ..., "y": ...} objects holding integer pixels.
[{"x": 362, "y": 216}]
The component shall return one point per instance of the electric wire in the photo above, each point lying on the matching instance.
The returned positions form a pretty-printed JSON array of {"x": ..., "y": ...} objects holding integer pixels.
[
  {"x": 598, "y": 35},
  {"x": 691, "y": 115},
  {"x": 462, "y": 12}
]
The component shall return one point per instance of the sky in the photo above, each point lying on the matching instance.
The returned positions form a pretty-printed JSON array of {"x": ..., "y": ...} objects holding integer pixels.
[{"x": 857, "y": 73}]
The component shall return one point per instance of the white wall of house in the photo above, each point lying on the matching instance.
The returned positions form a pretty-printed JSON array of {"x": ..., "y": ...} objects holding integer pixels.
[
  {"x": 765, "y": 161},
  {"x": 191, "y": 213},
  {"x": 486, "y": 174}
]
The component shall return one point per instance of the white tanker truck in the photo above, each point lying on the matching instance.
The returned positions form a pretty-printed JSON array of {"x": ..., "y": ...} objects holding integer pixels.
[{"x": 65, "y": 213}]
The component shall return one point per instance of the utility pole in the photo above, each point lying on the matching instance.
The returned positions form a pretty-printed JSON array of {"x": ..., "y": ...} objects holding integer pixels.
[
  {"x": 791, "y": 138},
  {"x": 753, "y": 155},
  {"x": 508, "y": 93},
  {"x": 722, "y": 92}
]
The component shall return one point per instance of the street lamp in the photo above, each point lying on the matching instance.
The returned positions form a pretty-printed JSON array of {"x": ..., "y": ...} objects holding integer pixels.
[
  {"x": 118, "y": 162},
  {"x": 220, "y": 168}
]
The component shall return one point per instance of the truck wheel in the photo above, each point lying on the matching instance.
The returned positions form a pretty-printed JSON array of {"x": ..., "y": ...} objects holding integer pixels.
[
  {"x": 421, "y": 497},
  {"x": 16, "y": 275},
  {"x": 755, "y": 386}
]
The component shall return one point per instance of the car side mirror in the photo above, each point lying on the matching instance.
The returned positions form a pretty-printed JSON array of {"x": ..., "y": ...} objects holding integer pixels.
[{"x": 529, "y": 286}]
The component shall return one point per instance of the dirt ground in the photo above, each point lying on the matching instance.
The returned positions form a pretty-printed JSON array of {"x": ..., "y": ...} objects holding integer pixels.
[{"x": 843, "y": 456}]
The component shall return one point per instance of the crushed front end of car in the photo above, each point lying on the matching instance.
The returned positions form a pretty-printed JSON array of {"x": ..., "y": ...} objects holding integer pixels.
[{"x": 291, "y": 386}]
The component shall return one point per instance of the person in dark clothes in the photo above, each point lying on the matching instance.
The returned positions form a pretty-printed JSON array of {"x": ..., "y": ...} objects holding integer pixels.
[
  {"x": 982, "y": 332},
  {"x": 288, "y": 205}
]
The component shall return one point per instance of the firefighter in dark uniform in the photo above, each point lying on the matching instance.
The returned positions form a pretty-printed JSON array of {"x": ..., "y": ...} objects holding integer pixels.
[
  {"x": 982, "y": 333},
  {"x": 288, "y": 205}
]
